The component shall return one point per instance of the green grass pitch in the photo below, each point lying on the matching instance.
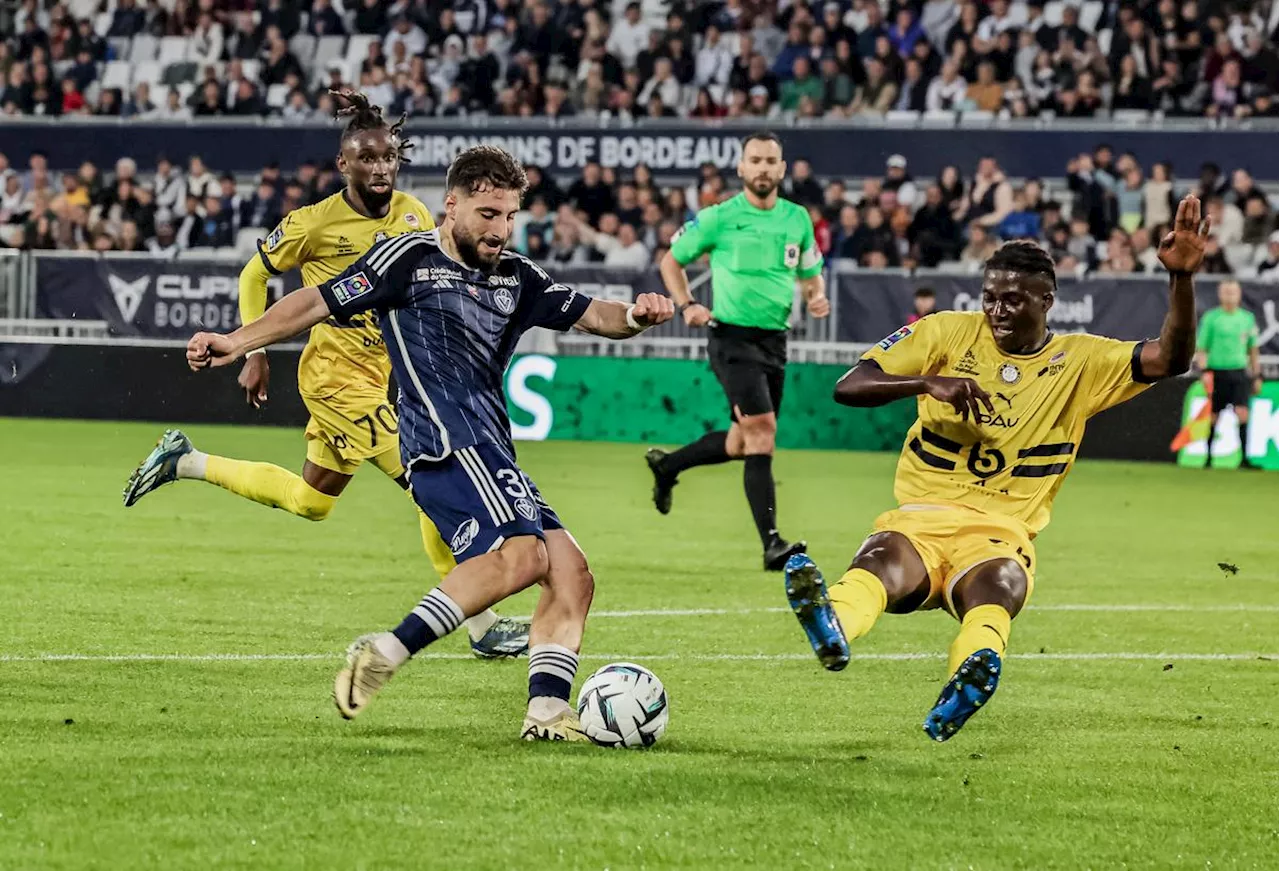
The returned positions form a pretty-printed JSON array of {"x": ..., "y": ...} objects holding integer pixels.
[{"x": 1136, "y": 726}]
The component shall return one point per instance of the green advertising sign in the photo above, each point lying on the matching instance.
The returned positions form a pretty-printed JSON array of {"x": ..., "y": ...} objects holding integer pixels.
[
  {"x": 1260, "y": 442},
  {"x": 676, "y": 401}
]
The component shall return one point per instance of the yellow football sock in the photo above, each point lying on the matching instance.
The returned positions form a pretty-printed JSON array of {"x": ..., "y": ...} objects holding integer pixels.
[
  {"x": 859, "y": 599},
  {"x": 982, "y": 627},
  {"x": 269, "y": 485}
]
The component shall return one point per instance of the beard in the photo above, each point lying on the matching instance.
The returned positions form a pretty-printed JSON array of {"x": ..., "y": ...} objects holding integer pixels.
[
  {"x": 469, "y": 250},
  {"x": 762, "y": 187},
  {"x": 376, "y": 201}
]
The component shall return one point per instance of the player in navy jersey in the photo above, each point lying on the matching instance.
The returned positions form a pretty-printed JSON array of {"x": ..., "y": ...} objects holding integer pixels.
[{"x": 452, "y": 305}]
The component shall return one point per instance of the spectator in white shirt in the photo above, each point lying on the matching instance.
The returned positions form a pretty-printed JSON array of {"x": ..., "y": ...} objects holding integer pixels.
[
  {"x": 625, "y": 249},
  {"x": 714, "y": 61},
  {"x": 663, "y": 83},
  {"x": 946, "y": 91},
  {"x": 1000, "y": 20},
  {"x": 200, "y": 182},
  {"x": 206, "y": 40},
  {"x": 404, "y": 30},
  {"x": 170, "y": 189},
  {"x": 629, "y": 37}
]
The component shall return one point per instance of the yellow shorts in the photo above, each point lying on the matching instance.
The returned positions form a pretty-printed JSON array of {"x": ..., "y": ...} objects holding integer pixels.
[
  {"x": 951, "y": 541},
  {"x": 352, "y": 427}
]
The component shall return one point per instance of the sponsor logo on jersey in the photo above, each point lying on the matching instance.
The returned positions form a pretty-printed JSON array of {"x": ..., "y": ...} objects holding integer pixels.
[
  {"x": 379, "y": 236},
  {"x": 505, "y": 302},
  {"x": 1055, "y": 366},
  {"x": 351, "y": 287},
  {"x": 996, "y": 420},
  {"x": 437, "y": 273},
  {"x": 791, "y": 255},
  {"x": 411, "y": 219},
  {"x": 344, "y": 246},
  {"x": 894, "y": 338},
  {"x": 276, "y": 237},
  {"x": 1009, "y": 373},
  {"x": 968, "y": 364},
  {"x": 527, "y": 509},
  {"x": 465, "y": 534},
  {"x": 505, "y": 280}
]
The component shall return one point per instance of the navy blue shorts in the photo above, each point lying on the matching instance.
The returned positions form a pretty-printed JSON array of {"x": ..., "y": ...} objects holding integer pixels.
[{"x": 478, "y": 498}]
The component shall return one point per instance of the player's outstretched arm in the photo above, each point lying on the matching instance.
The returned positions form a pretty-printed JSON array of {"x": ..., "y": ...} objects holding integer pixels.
[
  {"x": 1181, "y": 251},
  {"x": 867, "y": 386},
  {"x": 300, "y": 310},
  {"x": 618, "y": 320}
]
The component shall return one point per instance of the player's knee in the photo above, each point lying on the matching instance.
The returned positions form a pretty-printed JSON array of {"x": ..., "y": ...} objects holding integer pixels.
[
  {"x": 523, "y": 562},
  {"x": 758, "y": 433},
  {"x": 1002, "y": 583},
  {"x": 309, "y": 503}
]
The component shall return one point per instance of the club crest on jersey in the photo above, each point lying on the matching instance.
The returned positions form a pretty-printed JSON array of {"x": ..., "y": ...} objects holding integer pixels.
[
  {"x": 505, "y": 302},
  {"x": 411, "y": 219},
  {"x": 1009, "y": 373},
  {"x": 894, "y": 338},
  {"x": 276, "y": 237},
  {"x": 466, "y": 534},
  {"x": 791, "y": 256},
  {"x": 527, "y": 509},
  {"x": 351, "y": 287}
]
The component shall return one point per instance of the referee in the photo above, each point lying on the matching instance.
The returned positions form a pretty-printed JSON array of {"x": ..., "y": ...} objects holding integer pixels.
[
  {"x": 759, "y": 245},
  {"x": 1227, "y": 349}
]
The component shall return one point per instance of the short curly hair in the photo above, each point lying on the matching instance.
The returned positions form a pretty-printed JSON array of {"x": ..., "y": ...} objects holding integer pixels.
[
  {"x": 1025, "y": 257},
  {"x": 483, "y": 166}
]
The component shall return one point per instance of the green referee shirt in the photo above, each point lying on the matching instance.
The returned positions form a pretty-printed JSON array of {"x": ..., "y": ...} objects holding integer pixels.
[
  {"x": 756, "y": 257},
  {"x": 1227, "y": 337}
]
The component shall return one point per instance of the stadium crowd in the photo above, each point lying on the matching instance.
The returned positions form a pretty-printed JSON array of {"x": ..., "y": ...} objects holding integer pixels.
[
  {"x": 626, "y": 59},
  {"x": 1106, "y": 216}
]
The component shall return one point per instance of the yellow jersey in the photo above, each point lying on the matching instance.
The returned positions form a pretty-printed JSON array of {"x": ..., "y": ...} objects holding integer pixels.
[
  {"x": 322, "y": 240},
  {"x": 1013, "y": 461}
]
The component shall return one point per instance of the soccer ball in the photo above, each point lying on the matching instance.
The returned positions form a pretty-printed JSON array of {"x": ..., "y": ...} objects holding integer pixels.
[{"x": 623, "y": 705}]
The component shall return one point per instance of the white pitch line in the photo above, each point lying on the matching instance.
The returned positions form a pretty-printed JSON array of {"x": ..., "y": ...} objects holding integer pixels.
[
  {"x": 725, "y": 612},
  {"x": 633, "y": 657}
]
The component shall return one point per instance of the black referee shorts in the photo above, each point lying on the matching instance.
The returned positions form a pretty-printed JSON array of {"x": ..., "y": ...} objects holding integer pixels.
[
  {"x": 1231, "y": 387},
  {"x": 750, "y": 364}
]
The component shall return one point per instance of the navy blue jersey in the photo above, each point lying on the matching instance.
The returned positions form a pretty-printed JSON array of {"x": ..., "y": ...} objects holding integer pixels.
[{"x": 450, "y": 332}]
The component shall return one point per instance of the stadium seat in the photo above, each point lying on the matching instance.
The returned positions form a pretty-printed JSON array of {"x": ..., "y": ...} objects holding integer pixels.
[
  {"x": 939, "y": 118},
  {"x": 115, "y": 74},
  {"x": 902, "y": 116},
  {"x": 277, "y": 96},
  {"x": 247, "y": 239},
  {"x": 251, "y": 68},
  {"x": 144, "y": 48},
  {"x": 1239, "y": 256},
  {"x": 118, "y": 48},
  {"x": 303, "y": 46},
  {"x": 358, "y": 47},
  {"x": 1053, "y": 13},
  {"x": 1104, "y": 40},
  {"x": 1091, "y": 14},
  {"x": 172, "y": 49},
  {"x": 976, "y": 118},
  {"x": 147, "y": 71},
  {"x": 160, "y": 94},
  {"x": 183, "y": 71},
  {"x": 327, "y": 48},
  {"x": 1130, "y": 116},
  {"x": 185, "y": 90}
]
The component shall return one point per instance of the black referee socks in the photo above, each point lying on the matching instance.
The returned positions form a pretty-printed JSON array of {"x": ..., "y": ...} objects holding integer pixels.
[
  {"x": 706, "y": 451},
  {"x": 757, "y": 480}
]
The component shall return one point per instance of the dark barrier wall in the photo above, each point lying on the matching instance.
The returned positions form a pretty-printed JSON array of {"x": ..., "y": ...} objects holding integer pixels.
[
  {"x": 173, "y": 299},
  {"x": 847, "y": 151},
  {"x": 153, "y": 384}
]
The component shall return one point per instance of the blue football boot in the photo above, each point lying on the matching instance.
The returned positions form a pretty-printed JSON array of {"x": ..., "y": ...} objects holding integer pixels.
[
  {"x": 807, "y": 595},
  {"x": 505, "y": 639},
  {"x": 159, "y": 468},
  {"x": 973, "y": 684}
]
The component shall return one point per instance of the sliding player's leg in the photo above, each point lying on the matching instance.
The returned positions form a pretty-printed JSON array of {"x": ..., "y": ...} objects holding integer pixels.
[
  {"x": 311, "y": 495},
  {"x": 887, "y": 574},
  {"x": 556, "y": 639},
  {"x": 491, "y": 636},
  {"x": 985, "y": 598}
]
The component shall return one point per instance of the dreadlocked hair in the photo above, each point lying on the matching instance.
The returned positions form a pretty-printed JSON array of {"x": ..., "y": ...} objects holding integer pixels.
[
  {"x": 1023, "y": 256},
  {"x": 362, "y": 115}
]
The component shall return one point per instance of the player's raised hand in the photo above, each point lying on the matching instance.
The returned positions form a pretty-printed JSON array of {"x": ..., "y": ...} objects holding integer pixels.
[
  {"x": 819, "y": 306},
  {"x": 254, "y": 378},
  {"x": 1182, "y": 249},
  {"x": 962, "y": 394},
  {"x": 205, "y": 350},
  {"x": 652, "y": 309}
]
